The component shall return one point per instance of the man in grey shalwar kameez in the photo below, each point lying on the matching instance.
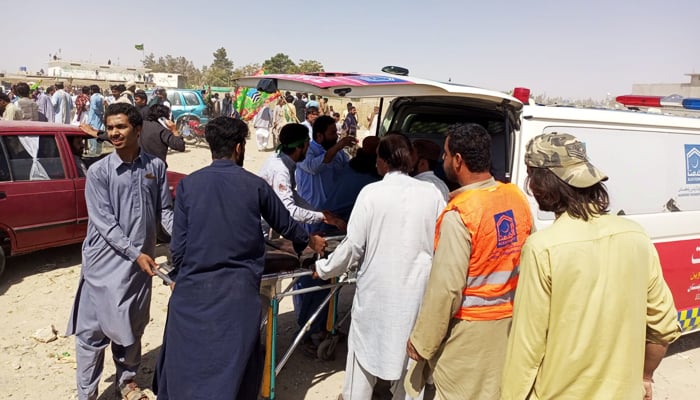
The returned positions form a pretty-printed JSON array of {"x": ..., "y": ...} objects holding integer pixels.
[{"x": 127, "y": 196}]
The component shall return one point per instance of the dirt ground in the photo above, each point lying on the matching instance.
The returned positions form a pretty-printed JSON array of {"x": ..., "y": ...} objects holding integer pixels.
[{"x": 37, "y": 291}]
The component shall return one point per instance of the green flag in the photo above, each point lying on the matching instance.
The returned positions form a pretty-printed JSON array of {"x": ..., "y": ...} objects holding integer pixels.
[{"x": 138, "y": 46}]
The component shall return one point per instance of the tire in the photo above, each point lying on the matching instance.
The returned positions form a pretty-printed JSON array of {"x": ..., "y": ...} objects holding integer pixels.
[{"x": 2, "y": 261}]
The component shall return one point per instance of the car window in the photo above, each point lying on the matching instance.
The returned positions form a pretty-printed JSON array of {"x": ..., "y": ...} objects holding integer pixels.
[
  {"x": 4, "y": 166},
  {"x": 190, "y": 98},
  {"x": 174, "y": 99},
  {"x": 33, "y": 158}
]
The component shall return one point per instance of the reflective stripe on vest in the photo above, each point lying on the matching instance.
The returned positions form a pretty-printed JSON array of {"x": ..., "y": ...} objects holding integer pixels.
[
  {"x": 499, "y": 220},
  {"x": 474, "y": 301},
  {"x": 494, "y": 278}
]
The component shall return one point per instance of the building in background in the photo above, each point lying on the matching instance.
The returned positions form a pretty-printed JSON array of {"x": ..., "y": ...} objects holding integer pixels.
[
  {"x": 62, "y": 69},
  {"x": 691, "y": 89}
]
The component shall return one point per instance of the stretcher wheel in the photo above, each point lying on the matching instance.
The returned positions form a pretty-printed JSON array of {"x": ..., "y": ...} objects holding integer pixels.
[{"x": 326, "y": 350}]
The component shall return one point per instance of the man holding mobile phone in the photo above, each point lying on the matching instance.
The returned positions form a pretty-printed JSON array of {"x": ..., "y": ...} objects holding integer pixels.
[{"x": 160, "y": 133}]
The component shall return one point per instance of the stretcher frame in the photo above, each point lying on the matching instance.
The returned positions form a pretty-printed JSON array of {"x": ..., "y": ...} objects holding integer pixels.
[{"x": 272, "y": 367}]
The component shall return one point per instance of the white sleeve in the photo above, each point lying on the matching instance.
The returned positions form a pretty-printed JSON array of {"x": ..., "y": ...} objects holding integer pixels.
[
  {"x": 352, "y": 249},
  {"x": 281, "y": 185}
]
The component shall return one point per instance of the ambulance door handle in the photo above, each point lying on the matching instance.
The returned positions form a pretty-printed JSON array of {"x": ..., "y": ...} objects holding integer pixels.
[{"x": 2, "y": 195}]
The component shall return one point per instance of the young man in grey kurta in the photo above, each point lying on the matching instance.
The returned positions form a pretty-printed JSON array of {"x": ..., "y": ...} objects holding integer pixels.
[{"x": 127, "y": 196}]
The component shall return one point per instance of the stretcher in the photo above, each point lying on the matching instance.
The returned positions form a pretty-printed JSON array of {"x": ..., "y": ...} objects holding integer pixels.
[{"x": 281, "y": 265}]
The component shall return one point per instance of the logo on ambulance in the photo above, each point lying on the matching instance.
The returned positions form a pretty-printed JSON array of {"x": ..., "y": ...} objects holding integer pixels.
[{"x": 692, "y": 163}]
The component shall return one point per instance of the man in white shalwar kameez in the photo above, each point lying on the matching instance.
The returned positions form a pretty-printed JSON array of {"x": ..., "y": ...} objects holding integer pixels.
[{"x": 390, "y": 235}]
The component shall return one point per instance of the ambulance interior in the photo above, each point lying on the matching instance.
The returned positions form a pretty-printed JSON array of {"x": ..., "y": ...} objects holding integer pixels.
[{"x": 429, "y": 118}]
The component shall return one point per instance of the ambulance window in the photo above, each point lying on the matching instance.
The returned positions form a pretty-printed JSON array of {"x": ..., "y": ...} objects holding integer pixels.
[{"x": 649, "y": 172}]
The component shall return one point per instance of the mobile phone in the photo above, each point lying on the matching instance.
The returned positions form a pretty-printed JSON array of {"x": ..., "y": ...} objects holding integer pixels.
[{"x": 162, "y": 120}]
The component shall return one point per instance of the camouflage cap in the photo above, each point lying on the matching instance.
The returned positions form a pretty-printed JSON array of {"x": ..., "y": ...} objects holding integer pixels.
[{"x": 565, "y": 156}]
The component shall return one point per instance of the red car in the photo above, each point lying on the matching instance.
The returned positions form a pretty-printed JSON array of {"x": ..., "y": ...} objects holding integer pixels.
[{"x": 42, "y": 188}]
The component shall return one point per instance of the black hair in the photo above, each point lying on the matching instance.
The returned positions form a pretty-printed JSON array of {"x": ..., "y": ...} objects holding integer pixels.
[
  {"x": 95, "y": 89},
  {"x": 321, "y": 124},
  {"x": 396, "y": 150},
  {"x": 290, "y": 134},
  {"x": 473, "y": 143},
  {"x": 311, "y": 110},
  {"x": 223, "y": 134},
  {"x": 22, "y": 89},
  {"x": 130, "y": 111},
  {"x": 85, "y": 89},
  {"x": 141, "y": 95},
  {"x": 4, "y": 97},
  {"x": 553, "y": 194},
  {"x": 156, "y": 111}
]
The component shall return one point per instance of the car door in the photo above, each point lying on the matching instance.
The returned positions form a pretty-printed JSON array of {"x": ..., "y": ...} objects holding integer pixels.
[
  {"x": 38, "y": 200},
  {"x": 78, "y": 178}
]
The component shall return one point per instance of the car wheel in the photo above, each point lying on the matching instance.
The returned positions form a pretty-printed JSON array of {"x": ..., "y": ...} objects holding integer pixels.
[{"x": 2, "y": 261}]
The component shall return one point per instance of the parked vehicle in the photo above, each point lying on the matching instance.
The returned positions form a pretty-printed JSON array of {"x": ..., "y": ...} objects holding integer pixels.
[
  {"x": 42, "y": 200},
  {"x": 653, "y": 161},
  {"x": 186, "y": 105}
]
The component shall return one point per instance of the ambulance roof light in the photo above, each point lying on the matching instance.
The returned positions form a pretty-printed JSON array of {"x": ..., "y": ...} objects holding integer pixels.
[
  {"x": 639, "y": 101},
  {"x": 691, "y": 104},
  {"x": 522, "y": 94}
]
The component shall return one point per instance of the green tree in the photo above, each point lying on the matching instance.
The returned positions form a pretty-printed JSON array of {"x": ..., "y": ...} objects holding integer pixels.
[
  {"x": 305, "y": 66},
  {"x": 174, "y": 65},
  {"x": 279, "y": 64},
  {"x": 246, "y": 70},
  {"x": 219, "y": 72}
]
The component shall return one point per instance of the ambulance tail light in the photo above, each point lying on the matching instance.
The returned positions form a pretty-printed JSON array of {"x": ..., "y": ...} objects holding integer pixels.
[
  {"x": 639, "y": 101},
  {"x": 522, "y": 94},
  {"x": 691, "y": 103}
]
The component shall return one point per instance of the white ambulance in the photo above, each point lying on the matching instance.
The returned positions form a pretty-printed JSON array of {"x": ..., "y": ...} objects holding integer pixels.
[{"x": 653, "y": 161}]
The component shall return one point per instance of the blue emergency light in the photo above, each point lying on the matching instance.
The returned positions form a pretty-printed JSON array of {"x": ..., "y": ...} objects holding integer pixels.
[{"x": 691, "y": 103}]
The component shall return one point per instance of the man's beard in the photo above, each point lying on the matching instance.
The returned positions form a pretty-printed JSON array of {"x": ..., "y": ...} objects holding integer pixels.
[
  {"x": 327, "y": 144},
  {"x": 450, "y": 175}
]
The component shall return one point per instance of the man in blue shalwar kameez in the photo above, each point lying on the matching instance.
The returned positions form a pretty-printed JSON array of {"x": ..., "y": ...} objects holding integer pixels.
[{"x": 211, "y": 344}]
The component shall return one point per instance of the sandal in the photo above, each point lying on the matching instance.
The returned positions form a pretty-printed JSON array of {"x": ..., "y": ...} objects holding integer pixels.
[{"x": 131, "y": 391}]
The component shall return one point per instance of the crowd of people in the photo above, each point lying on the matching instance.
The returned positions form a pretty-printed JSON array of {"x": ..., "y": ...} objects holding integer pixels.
[{"x": 453, "y": 287}]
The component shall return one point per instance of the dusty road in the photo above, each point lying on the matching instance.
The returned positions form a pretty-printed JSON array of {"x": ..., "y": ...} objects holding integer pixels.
[{"x": 37, "y": 292}]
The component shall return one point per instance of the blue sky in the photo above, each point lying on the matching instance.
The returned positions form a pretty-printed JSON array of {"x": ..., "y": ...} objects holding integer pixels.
[{"x": 573, "y": 49}]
